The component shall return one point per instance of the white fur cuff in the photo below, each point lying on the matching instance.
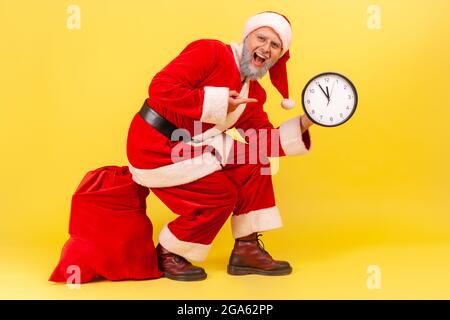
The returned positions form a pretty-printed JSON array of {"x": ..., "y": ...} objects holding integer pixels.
[
  {"x": 255, "y": 221},
  {"x": 215, "y": 105},
  {"x": 189, "y": 250},
  {"x": 291, "y": 138}
]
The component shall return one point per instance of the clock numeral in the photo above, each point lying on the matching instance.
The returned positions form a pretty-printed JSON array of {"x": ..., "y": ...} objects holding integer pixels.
[
  {"x": 341, "y": 115},
  {"x": 313, "y": 111},
  {"x": 337, "y": 80},
  {"x": 321, "y": 116},
  {"x": 348, "y": 108},
  {"x": 317, "y": 83},
  {"x": 327, "y": 79},
  {"x": 331, "y": 119},
  {"x": 350, "y": 97},
  {"x": 345, "y": 87},
  {"x": 311, "y": 90},
  {"x": 308, "y": 102}
]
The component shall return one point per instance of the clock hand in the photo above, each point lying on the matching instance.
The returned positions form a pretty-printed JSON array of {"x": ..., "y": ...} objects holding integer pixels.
[
  {"x": 326, "y": 95},
  {"x": 332, "y": 88}
]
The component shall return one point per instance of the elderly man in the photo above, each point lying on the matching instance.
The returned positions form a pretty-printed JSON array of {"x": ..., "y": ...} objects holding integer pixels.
[{"x": 207, "y": 89}]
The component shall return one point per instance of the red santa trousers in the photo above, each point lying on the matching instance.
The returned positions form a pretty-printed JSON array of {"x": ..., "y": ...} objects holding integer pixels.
[{"x": 203, "y": 206}]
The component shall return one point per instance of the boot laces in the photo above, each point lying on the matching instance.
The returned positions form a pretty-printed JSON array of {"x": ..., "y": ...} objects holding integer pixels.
[
  {"x": 177, "y": 258},
  {"x": 180, "y": 259},
  {"x": 260, "y": 242}
]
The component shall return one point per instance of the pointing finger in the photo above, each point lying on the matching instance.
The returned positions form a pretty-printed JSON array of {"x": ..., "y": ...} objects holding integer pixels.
[{"x": 246, "y": 100}]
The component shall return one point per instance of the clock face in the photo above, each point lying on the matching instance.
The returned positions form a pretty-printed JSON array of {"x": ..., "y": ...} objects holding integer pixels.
[{"x": 329, "y": 99}]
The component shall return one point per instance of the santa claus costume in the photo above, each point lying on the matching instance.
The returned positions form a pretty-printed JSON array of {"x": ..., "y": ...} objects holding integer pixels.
[
  {"x": 218, "y": 177},
  {"x": 203, "y": 179}
]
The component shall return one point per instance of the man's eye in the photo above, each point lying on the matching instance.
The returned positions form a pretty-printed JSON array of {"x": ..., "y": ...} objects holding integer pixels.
[
  {"x": 261, "y": 38},
  {"x": 275, "y": 45}
]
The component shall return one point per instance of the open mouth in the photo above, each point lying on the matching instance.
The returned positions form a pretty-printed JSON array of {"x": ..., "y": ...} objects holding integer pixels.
[{"x": 259, "y": 59}]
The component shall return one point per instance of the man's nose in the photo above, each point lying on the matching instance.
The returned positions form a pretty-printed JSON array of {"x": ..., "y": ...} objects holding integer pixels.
[{"x": 266, "y": 47}]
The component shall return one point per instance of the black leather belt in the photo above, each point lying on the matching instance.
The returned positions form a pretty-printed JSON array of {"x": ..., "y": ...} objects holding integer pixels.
[{"x": 163, "y": 125}]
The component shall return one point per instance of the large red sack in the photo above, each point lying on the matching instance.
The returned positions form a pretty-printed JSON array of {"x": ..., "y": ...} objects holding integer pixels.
[{"x": 110, "y": 233}]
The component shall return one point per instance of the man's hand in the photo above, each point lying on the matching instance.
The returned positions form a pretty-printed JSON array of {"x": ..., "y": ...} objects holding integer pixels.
[
  {"x": 235, "y": 100},
  {"x": 305, "y": 123}
]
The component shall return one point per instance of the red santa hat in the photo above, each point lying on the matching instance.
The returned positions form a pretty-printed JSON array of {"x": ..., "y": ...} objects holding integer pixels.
[{"x": 281, "y": 25}]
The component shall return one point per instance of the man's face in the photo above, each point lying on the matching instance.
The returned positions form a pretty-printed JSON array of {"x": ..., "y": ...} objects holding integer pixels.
[{"x": 262, "y": 49}]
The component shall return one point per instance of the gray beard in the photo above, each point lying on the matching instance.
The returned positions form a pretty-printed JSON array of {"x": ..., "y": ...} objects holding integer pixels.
[{"x": 248, "y": 71}]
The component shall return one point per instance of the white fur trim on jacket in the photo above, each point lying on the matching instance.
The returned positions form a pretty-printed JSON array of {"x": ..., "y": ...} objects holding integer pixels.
[
  {"x": 291, "y": 138},
  {"x": 215, "y": 105},
  {"x": 255, "y": 221},
  {"x": 188, "y": 170},
  {"x": 177, "y": 173},
  {"x": 189, "y": 250}
]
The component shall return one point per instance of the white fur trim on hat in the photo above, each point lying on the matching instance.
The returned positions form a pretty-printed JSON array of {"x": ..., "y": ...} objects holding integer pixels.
[
  {"x": 273, "y": 20},
  {"x": 288, "y": 104}
]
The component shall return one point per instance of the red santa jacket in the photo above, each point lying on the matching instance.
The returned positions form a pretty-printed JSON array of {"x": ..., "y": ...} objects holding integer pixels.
[{"x": 192, "y": 92}]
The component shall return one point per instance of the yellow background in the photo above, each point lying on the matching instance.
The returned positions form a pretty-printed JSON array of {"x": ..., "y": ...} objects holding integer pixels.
[{"x": 372, "y": 192}]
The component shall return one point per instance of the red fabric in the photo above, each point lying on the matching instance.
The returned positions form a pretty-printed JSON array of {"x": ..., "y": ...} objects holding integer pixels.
[
  {"x": 278, "y": 75},
  {"x": 204, "y": 205},
  {"x": 110, "y": 233},
  {"x": 176, "y": 92}
]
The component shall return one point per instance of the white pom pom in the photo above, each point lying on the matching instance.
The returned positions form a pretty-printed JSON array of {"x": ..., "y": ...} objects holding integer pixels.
[{"x": 288, "y": 104}]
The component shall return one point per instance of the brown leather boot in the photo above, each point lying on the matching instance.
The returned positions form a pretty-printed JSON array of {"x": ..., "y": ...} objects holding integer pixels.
[
  {"x": 176, "y": 267},
  {"x": 249, "y": 257}
]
